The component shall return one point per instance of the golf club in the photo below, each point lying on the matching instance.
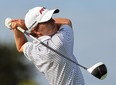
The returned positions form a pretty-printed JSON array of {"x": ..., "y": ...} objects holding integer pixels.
[{"x": 98, "y": 70}]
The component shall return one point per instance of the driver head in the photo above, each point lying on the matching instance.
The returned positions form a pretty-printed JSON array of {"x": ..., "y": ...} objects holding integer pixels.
[{"x": 98, "y": 70}]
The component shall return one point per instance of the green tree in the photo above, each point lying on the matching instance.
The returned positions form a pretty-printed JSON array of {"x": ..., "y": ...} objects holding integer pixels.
[{"x": 12, "y": 70}]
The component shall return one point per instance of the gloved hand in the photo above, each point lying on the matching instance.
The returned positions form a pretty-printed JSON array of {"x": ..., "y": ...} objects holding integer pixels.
[{"x": 14, "y": 23}]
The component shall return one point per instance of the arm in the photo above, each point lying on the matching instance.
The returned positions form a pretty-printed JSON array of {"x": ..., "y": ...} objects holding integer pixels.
[
  {"x": 62, "y": 21},
  {"x": 19, "y": 37}
]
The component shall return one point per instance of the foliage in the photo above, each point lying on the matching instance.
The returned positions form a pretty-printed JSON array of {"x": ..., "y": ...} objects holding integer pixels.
[{"x": 12, "y": 70}]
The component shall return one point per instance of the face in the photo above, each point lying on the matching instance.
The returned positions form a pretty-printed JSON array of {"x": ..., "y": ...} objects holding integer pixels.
[{"x": 47, "y": 28}]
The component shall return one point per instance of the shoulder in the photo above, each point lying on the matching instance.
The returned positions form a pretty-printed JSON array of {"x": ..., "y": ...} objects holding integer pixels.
[
  {"x": 63, "y": 33},
  {"x": 27, "y": 46}
]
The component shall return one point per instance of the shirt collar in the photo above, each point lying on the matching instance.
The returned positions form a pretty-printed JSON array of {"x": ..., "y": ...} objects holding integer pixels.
[{"x": 43, "y": 38}]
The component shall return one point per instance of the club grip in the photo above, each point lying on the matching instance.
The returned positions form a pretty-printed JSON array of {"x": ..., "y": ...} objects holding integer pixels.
[{"x": 8, "y": 23}]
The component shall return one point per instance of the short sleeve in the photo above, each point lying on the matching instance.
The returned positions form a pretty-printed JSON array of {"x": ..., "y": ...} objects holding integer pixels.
[
  {"x": 64, "y": 35},
  {"x": 27, "y": 48}
]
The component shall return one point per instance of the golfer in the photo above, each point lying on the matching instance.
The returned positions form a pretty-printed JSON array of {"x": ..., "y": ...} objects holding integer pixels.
[{"x": 57, "y": 33}]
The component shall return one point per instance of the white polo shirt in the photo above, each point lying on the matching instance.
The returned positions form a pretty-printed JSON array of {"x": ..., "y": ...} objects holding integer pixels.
[{"x": 57, "y": 70}]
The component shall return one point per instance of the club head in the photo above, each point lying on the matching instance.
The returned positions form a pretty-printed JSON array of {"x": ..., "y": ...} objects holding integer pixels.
[{"x": 98, "y": 70}]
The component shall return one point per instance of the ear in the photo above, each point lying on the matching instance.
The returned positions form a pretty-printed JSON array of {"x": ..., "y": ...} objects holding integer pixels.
[{"x": 38, "y": 33}]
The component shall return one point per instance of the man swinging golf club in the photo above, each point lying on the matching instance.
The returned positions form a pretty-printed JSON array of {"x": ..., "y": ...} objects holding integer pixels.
[{"x": 54, "y": 32}]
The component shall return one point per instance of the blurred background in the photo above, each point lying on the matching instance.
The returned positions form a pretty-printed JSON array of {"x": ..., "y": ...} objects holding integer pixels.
[{"x": 94, "y": 25}]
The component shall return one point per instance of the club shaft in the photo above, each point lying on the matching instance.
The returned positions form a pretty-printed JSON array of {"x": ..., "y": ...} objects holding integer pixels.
[{"x": 23, "y": 31}]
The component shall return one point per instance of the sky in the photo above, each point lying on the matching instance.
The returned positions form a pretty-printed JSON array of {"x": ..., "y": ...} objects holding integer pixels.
[{"x": 94, "y": 25}]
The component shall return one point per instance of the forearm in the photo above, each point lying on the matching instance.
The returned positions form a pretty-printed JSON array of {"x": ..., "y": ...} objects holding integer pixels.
[
  {"x": 62, "y": 21},
  {"x": 20, "y": 39}
]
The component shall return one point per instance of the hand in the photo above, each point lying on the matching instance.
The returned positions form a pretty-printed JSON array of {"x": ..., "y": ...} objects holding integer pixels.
[{"x": 18, "y": 23}]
